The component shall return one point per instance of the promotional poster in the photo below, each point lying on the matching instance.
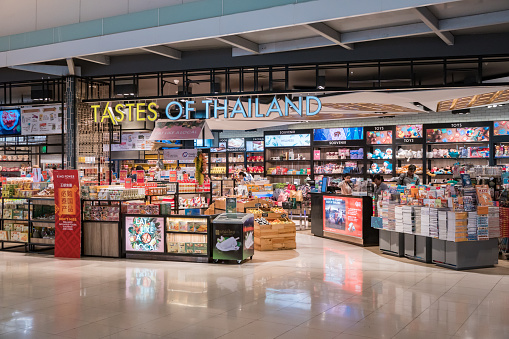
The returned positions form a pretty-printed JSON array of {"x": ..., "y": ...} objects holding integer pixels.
[
  {"x": 408, "y": 131},
  {"x": 287, "y": 140},
  {"x": 465, "y": 134},
  {"x": 67, "y": 214},
  {"x": 379, "y": 137},
  {"x": 501, "y": 127},
  {"x": 342, "y": 216},
  {"x": 144, "y": 234},
  {"x": 344, "y": 133}
]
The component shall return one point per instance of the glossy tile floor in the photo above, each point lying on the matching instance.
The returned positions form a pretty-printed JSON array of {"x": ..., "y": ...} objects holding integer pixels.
[{"x": 325, "y": 289}]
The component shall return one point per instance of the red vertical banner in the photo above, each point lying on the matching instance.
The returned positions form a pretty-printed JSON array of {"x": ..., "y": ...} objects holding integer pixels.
[
  {"x": 140, "y": 176},
  {"x": 67, "y": 214},
  {"x": 122, "y": 176}
]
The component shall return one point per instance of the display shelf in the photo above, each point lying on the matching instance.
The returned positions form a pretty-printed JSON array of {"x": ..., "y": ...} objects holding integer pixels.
[
  {"x": 43, "y": 221},
  {"x": 22, "y": 220},
  {"x": 287, "y": 175}
]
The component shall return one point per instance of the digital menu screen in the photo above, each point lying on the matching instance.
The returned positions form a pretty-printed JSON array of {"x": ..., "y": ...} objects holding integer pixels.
[
  {"x": 501, "y": 127},
  {"x": 288, "y": 140},
  {"x": 342, "y": 216},
  {"x": 465, "y": 134},
  {"x": 379, "y": 137},
  {"x": 10, "y": 122},
  {"x": 144, "y": 234},
  {"x": 254, "y": 146},
  {"x": 408, "y": 131},
  {"x": 346, "y": 133}
]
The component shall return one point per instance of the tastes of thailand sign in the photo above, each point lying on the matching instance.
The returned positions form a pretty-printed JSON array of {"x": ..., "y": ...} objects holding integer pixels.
[
  {"x": 67, "y": 214},
  {"x": 248, "y": 108}
]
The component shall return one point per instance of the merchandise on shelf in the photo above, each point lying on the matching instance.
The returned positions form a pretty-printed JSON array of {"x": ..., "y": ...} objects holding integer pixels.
[
  {"x": 186, "y": 243},
  {"x": 218, "y": 170},
  {"x": 255, "y": 169},
  {"x": 378, "y": 154},
  {"x": 175, "y": 224},
  {"x": 335, "y": 168},
  {"x": 111, "y": 193},
  {"x": 140, "y": 208},
  {"x": 288, "y": 171},
  {"x": 445, "y": 212},
  {"x": 386, "y": 168},
  {"x": 404, "y": 169},
  {"x": 195, "y": 202},
  {"x": 101, "y": 213},
  {"x": 255, "y": 158},
  {"x": 277, "y": 234},
  {"x": 408, "y": 154},
  {"x": 461, "y": 152},
  {"x": 502, "y": 151}
]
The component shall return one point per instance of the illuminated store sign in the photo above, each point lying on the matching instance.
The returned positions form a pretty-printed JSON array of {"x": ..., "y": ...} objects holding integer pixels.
[{"x": 176, "y": 110}]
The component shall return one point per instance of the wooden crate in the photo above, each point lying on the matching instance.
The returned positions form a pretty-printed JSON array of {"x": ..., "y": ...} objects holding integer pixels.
[{"x": 275, "y": 237}]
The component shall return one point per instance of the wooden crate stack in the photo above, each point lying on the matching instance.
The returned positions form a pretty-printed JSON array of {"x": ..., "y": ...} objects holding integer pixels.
[{"x": 274, "y": 237}]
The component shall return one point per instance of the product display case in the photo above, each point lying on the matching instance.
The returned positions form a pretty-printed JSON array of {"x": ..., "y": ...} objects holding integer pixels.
[
  {"x": 409, "y": 145},
  {"x": 338, "y": 151},
  {"x": 288, "y": 156},
  {"x": 501, "y": 144},
  {"x": 466, "y": 144},
  {"x": 178, "y": 237},
  {"x": 218, "y": 160},
  {"x": 236, "y": 155},
  {"x": 223, "y": 187},
  {"x": 380, "y": 151},
  {"x": 254, "y": 156}
]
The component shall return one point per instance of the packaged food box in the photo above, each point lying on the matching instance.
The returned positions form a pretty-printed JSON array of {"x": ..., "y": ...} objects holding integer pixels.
[
  {"x": 182, "y": 247},
  {"x": 190, "y": 226},
  {"x": 200, "y": 248},
  {"x": 200, "y": 227},
  {"x": 172, "y": 225},
  {"x": 4, "y": 235},
  {"x": 17, "y": 214},
  {"x": 189, "y": 247},
  {"x": 23, "y": 236},
  {"x": 15, "y": 235},
  {"x": 7, "y": 214},
  {"x": 173, "y": 247},
  {"x": 182, "y": 226}
]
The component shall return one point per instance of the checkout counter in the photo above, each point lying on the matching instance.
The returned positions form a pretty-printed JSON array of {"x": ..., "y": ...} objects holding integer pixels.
[{"x": 343, "y": 217}]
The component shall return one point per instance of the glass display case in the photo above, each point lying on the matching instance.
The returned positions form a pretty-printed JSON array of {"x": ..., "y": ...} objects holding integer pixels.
[{"x": 176, "y": 237}]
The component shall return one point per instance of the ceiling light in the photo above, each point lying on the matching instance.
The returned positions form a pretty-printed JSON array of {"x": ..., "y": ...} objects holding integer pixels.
[{"x": 461, "y": 111}]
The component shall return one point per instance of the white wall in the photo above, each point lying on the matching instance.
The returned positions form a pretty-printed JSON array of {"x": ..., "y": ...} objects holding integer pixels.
[{"x": 20, "y": 16}]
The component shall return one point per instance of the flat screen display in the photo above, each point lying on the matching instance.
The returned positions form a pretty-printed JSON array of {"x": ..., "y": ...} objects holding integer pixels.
[
  {"x": 501, "y": 127},
  {"x": 236, "y": 143},
  {"x": 10, "y": 122},
  {"x": 342, "y": 216},
  {"x": 408, "y": 131},
  {"x": 379, "y": 137},
  {"x": 288, "y": 140},
  {"x": 254, "y": 146},
  {"x": 144, "y": 234},
  {"x": 464, "y": 134},
  {"x": 346, "y": 133}
]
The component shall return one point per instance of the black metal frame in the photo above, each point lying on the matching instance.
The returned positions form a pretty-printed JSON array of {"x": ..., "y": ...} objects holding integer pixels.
[{"x": 281, "y": 74}]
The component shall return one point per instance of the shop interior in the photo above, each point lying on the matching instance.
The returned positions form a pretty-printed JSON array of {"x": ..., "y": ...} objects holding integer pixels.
[{"x": 292, "y": 160}]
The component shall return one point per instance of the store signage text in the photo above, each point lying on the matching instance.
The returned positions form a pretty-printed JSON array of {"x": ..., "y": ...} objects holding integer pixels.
[{"x": 213, "y": 109}]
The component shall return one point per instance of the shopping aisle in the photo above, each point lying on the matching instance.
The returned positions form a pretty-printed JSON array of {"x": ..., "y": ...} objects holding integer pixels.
[{"x": 324, "y": 289}]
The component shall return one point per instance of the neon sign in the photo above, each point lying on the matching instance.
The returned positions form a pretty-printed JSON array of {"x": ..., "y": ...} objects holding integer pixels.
[{"x": 213, "y": 109}]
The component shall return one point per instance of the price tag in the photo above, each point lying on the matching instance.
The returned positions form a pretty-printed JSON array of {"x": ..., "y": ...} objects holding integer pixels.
[
  {"x": 283, "y": 215},
  {"x": 258, "y": 205},
  {"x": 265, "y": 215}
]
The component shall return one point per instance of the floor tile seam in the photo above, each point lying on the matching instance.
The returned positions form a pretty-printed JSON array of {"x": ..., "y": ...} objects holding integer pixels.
[
  {"x": 229, "y": 331},
  {"x": 464, "y": 322},
  {"x": 427, "y": 308}
]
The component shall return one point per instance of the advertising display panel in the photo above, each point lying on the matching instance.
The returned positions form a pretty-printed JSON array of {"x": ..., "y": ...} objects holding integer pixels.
[
  {"x": 144, "y": 234},
  {"x": 342, "y": 215}
]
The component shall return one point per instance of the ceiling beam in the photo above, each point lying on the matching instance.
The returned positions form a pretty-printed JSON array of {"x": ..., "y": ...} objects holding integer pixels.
[
  {"x": 329, "y": 33},
  {"x": 98, "y": 59},
  {"x": 432, "y": 22},
  {"x": 48, "y": 69},
  {"x": 164, "y": 51},
  {"x": 473, "y": 21},
  {"x": 71, "y": 66},
  {"x": 239, "y": 42},
  {"x": 347, "y": 38}
]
